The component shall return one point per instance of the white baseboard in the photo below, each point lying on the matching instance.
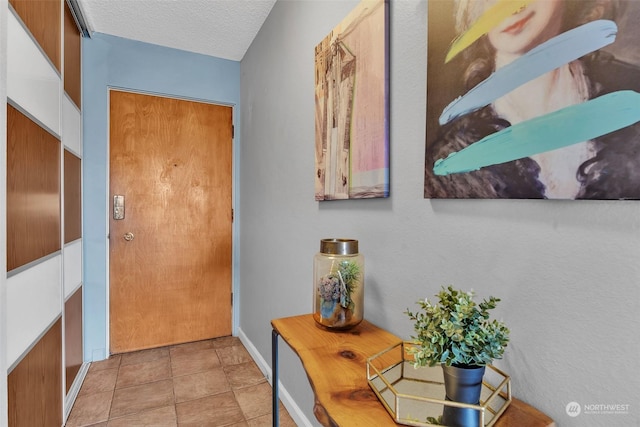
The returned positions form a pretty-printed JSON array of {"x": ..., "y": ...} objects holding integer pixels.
[
  {"x": 75, "y": 389},
  {"x": 294, "y": 410}
]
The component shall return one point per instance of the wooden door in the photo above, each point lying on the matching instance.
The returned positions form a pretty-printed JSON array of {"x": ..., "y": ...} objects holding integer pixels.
[{"x": 171, "y": 281}]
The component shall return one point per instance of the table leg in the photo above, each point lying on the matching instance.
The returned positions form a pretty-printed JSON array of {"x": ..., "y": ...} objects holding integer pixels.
[{"x": 275, "y": 409}]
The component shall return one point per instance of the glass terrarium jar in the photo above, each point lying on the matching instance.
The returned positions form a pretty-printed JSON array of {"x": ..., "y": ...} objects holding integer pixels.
[{"x": 338, "y": 296}]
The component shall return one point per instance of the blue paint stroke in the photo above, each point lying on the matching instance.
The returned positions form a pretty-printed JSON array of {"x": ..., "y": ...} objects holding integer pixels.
[
  {"x": 545, "y": 57},
  {"x": 561, "y": 128}
]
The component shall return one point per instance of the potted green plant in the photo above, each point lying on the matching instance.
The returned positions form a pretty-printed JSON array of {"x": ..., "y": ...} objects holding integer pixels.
[{"x": 457, "y": 333}]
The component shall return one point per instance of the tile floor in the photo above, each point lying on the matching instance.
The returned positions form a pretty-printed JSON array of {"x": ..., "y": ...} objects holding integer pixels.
[{"x": 206, "y": 383}]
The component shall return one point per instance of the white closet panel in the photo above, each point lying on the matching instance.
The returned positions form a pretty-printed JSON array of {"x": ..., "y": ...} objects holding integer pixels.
[
  {"x": 72, "y": 257},
  {"x": 34, "y": 302},
  {"x": 71, "y": 125},
  {"x": 32, "y": 82}
]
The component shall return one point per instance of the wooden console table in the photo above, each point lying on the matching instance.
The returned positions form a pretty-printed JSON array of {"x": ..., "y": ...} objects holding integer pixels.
[{"x": 344, "y": 397}]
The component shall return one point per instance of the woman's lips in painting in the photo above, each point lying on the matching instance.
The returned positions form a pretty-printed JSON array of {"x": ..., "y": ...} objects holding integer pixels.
[{"x": 518, "y": 25}]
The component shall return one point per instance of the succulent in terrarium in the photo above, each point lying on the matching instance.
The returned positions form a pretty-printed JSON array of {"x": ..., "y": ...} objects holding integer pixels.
[{"x": 336, "y": 294}]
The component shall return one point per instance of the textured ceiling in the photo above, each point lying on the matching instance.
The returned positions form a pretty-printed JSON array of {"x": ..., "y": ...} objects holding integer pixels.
[{"x": 221, "y": 28}]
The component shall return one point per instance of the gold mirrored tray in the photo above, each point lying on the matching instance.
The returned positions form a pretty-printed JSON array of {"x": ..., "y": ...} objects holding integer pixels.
[{"x": 416, "y": 396}]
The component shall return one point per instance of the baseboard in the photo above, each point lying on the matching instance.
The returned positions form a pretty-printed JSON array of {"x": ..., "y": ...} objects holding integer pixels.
[
  {"x": 75, "y": 389},
  {"x": 294, "y": 410}
]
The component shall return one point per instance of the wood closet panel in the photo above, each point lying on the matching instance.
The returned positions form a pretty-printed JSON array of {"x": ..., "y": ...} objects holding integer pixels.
[
  {"x": 73, "y": 336},
  {"x": 72, "y": 197},
  {"x": 71, "y": 57},
  {"x": 42, "y": 18},
  {"x": 34, "y": 386},
  {"x": 33, "y": 191}
]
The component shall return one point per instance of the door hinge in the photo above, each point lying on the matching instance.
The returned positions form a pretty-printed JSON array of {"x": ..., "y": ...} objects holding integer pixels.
[
  {"x": 233, "y": 131},
  {"x": 231, "y": 215},
  {"x": 231, "y": 298}
]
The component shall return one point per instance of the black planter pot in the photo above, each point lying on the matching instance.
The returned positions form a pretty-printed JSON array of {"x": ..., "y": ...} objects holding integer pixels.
[{"x": 462, "y": 384}]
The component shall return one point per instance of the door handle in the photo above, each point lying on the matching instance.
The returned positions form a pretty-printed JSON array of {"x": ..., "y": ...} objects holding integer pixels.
[{"x": 128, "y": 236}]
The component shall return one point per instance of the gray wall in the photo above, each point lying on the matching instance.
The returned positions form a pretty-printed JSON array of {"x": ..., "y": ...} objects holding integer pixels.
[{"x": 567, "y": 271}]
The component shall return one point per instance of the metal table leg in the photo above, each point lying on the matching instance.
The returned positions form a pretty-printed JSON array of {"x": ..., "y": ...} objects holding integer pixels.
[{"x": 274, "y": 380}]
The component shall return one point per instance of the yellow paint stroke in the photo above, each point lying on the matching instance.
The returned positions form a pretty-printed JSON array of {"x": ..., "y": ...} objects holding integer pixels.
[{"x": 489, "y": 19}]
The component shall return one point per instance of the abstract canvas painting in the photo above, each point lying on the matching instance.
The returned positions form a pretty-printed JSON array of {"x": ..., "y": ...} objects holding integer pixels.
[
  {"x": 351, "y": 106},
  {"x": 533, "y": 99}
]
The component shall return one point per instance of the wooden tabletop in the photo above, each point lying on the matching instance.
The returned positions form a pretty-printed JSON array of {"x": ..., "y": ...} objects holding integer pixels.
[{"x": 335, "y": 363}]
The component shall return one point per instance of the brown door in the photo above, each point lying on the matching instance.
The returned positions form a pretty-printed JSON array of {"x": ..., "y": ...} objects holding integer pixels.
[{"x": 170, "y": 256}]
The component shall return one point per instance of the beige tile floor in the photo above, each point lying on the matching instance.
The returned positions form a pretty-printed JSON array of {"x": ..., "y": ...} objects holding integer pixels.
[{"x": 206, "y": 383}]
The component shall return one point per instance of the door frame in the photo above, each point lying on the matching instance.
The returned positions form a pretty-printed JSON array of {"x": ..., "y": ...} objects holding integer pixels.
[{"x": 235, "y": 309}]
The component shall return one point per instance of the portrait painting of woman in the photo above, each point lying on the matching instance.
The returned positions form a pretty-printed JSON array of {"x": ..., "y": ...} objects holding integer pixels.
[{"x": 536, "y": 99}]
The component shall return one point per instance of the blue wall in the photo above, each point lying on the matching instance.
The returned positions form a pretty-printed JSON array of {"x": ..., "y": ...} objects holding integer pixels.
[{"x": 113, "y": 62}]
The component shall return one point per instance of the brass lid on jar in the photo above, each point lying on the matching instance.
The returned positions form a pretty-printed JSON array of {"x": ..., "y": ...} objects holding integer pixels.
[{"x": 339, "y": 246}]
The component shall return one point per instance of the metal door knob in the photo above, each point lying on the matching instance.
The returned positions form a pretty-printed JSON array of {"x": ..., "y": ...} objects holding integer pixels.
[{"x": 128, "y": 236}]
